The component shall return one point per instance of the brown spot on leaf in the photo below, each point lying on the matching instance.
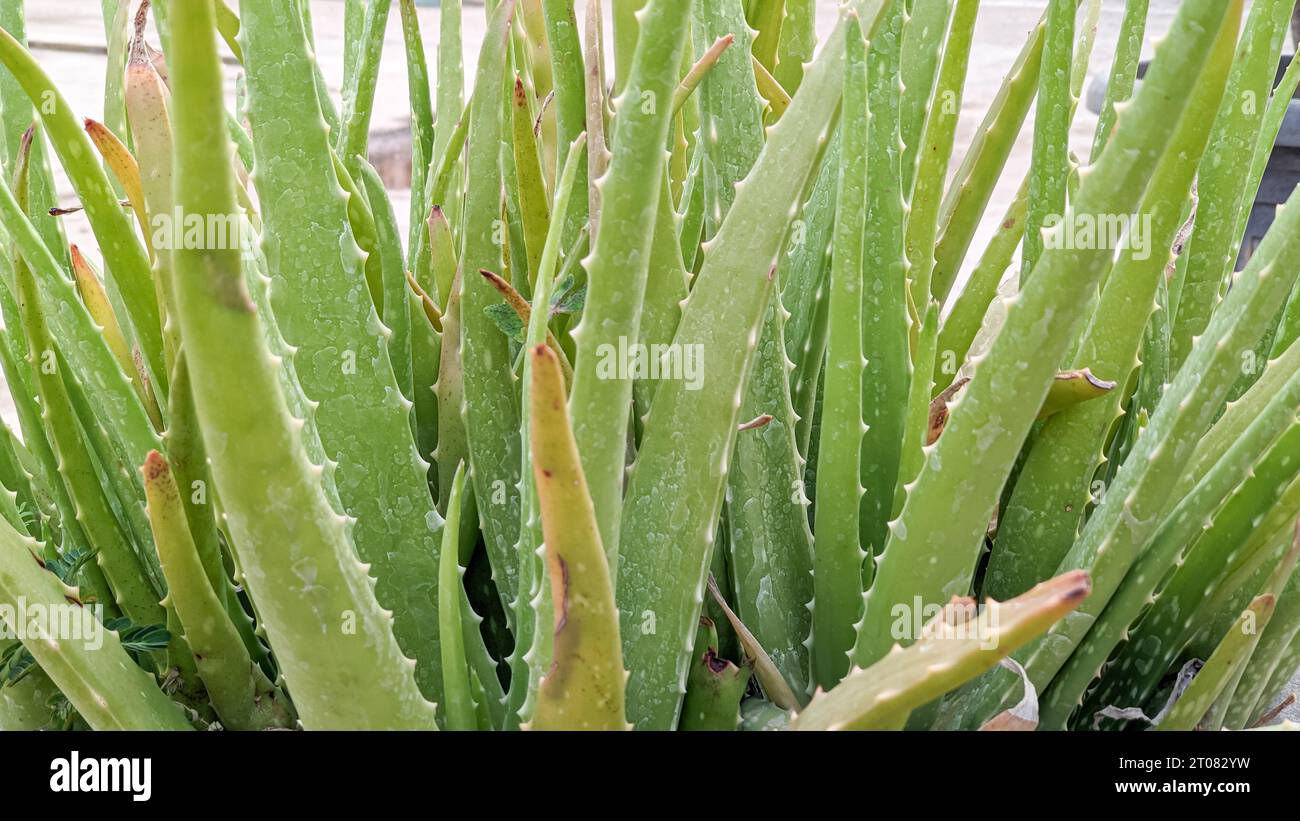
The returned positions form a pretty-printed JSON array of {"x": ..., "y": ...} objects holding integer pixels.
[
  {"x": 714, "y": 662},
  {"x": 155, "y": 466},
  {"x": 939, "y": 410}
]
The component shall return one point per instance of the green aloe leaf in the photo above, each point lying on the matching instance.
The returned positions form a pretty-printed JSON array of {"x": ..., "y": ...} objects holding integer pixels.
[
  {"x": 960, "y": 646},
  {"x": 455, "y": 669},
  {"x": 674, "y": 493},
  {"x": 838, "y": 554},
  {"x": 1051, "y": 158},
  {"x": 618, "y": 267},
  {"x": 1039, "y": 522},
  {"x": 1232, "y": 654},
  {"x": 333, "y": 641},
  {"x": 953, "y": 499},
  {"x": 103, "y": 683},
  {"x": 886, "y": 375},
  {"x": 1224, "y": 171},
  {"x": 127, "y": 262},
  {"x": 489, "y": 405},
  {"x": 243, "y": 696},
  {"x": 342, "y": 356},
  {"x": 714, "y": 688}
]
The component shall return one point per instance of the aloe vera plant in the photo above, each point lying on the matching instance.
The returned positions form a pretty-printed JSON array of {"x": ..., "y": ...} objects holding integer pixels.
[{"x": 663, "y": 414}]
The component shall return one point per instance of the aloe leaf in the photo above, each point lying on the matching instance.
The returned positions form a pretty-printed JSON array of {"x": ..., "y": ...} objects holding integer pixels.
[
  {"x": 189, "y": 465},
  {"x": 953, "y": 652},
  {"x": 955, "y": 494},
  {"x": 568, "y": 76},
  {"x": 341, "y": 355},
  {"x": 60, "y": 512},
  {"x": 489, "y": 406},
  {"x": 1241, "y": 489},
  {"x": 333, "y": 642},
  {"x": 770, "y": 544},
  {"x": 584, "y": 687},
  {"x": 13, "y": 474},
  {"x": 1072, "y": 388},
  {"x": 533, "y": 206},
  {"x": 1051, "y": 158},
  {"x": 1223, "y": 173},
  {"x": 1238, "y": 416},
  {"x": 449, "y": 98},
  {"x": 1121, "y": 526},
  {"x": 1123, "y": 70},
  {"x": 93, "y": 296},
  {"x": 1269, "y": 707},
  {"x": 422, "y": 116},
  {"x": 1040, "y": 520},
  {"x": 924, "y": 32},
  {"x": 618, "y": 267},
  {"x": 1220, "y": 574},
  {"x": 245, "y": 699},
  {"x": 120, "y": 482},
  {"x": 767, "y": 675},
  {"x": 1264, "y": 565},
  {"x": 533, "y": 611},
  {"x": 627, "y": 25},
  {"x": 1128, "y": 516},
  {"x": 131, "y": 585},
  {"x": 1274, "y": 117},
  {"x": 534, "y": 61},
  {"x": 766, "y": 17},
  {"x": 596, "y": 92},
  {"x": 973, "y": 183},
  {"x": 127, "y": 261},
  {"x": 106, "y": 687},
  {"x": 802, "y": 273},
  {"x": 359, "y": 85},
  {"x": 971, "y": 306},
  {"x": 455, "y": 672},
  {"x": 798, "y": 40},
  {"x": 17, "y": 114},
  {"x": 397, "y": 315},
  {"x": 667, "y": 284},
  {"x": 427, "y": 346},
  {"x": 126, "y": 172},
  {"x": 777, "y": 98},
  {"x": 451, "y": 437},
  {"x": 97, "y": 303},
  {"x": 912, "y": 454},
  {"x": 935, "y": 150},
  {"x": 838, "y": 554},
  {"x": 674, "y": 493},
  {"x": 887, "y": 374},
  {"x": 1232, "y": 653},
  {"x": 731, "y": 119},
  {"x": 714, "y": 688},
  {"x": 1266, "y": 661}
]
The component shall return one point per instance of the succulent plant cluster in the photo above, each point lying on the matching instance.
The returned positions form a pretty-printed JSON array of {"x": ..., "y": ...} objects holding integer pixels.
[{"x": 684, "y": 402}]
